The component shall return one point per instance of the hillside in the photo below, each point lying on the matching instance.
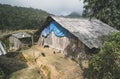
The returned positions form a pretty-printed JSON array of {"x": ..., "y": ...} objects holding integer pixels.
[
  {"x": 14, "y": 18},
  {"x": 74, "y": 15}
]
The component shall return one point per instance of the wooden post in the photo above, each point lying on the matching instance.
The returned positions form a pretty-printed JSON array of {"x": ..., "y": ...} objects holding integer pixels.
[{"x": 33, "y": 47}]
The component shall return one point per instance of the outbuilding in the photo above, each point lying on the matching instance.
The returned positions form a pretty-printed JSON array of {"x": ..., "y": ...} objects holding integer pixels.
[{"x": 19, "y": 40}]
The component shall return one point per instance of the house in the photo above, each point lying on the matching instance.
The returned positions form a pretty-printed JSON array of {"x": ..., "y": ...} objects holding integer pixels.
[
  {"x": 74, "y": 36},
  {"x": 2, "y": 49},
  {"x": 19, "y": 40}
]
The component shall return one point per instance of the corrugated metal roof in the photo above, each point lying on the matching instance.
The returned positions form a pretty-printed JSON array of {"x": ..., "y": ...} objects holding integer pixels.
[
  {"x": 21, "y": 35},
  {"x": 90, "y": 32},
  {"x": 2, "y": 50}
]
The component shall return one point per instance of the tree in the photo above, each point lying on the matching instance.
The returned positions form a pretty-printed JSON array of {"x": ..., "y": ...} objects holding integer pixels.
[
  {"x": 106, "y": 64},
  {"x": 15, "y": 18},
  {"x": 107, "y": 11}
]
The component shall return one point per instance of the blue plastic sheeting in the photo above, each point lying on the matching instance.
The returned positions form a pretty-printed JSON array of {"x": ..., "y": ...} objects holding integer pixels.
[
  {"x": 46, "y": 31},
  {"x": 57, "y": 29}
]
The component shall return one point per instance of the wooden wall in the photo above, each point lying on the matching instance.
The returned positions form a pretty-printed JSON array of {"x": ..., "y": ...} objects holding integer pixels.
[
  {"x": 72, "y": 48},
  {"x": 15, "y": 43}
]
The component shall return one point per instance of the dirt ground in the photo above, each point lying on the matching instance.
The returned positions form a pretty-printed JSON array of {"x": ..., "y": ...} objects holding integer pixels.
[
  {"x": 41, "y": 63},
  {"x": 31, "y": 72},
  {"x": 54, "y": 65}
]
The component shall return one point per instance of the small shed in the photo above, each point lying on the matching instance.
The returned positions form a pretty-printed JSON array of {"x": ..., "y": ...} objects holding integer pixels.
[
  {"x": 74, "y": 36},
  {"x": 19, "y": 40},
  {"x": 2, "y": 49}
]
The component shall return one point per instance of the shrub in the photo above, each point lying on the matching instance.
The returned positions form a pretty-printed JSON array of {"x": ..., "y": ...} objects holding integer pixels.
[{"x": 106, "y": 64}]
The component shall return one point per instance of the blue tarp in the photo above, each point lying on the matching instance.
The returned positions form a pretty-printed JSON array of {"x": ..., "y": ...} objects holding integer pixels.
[
  {"x": 57, "y": 29},
  {"x": 46, "y": 31}
]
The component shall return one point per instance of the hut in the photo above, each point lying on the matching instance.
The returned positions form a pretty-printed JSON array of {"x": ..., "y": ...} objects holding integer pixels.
[
  {"x": 2, "y": 49},
  {"x": 76, "y": 37},
  {"x": 19, "y": 40}
]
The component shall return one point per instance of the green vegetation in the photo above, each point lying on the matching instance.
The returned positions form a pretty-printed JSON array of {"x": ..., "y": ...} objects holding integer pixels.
[
  {"x": 107, "y": 11},
  {"x": 1, "y": 74},
  {"x": 14, "y": 18},
  {"x": 106, "y": 64}
]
